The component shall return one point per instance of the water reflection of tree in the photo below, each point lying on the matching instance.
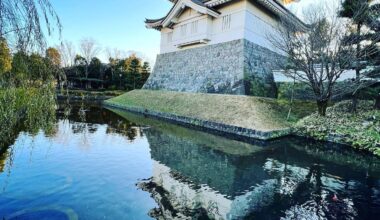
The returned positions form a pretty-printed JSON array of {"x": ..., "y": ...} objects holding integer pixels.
[
  {"x": 37, "y": 115},
  {"x": 125, "y": 128},
  {"x": 3, "y": 159},
  {"x": 86, "y": 118},
  {"x": 34, "y": 112},
  {"x": 309, "y": 191}
]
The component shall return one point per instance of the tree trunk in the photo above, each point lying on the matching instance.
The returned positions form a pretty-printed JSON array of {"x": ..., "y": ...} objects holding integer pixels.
[
  {"x": 86, "y": 73},
  {"x": 377, "y": 103},
  {"x": 292, "y": 99},
  {"x": 322, "y": 106},
  {"x": 355, "y": 101}
]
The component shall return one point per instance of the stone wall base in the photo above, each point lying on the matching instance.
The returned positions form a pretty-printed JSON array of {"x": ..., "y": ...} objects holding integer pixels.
[
  {"x": 206, "y": 125},
  {"x": 237, "y": 67}
]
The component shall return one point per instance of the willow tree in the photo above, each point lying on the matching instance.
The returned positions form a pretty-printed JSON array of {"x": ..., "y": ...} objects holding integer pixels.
[{"x": 21, "y": 22}]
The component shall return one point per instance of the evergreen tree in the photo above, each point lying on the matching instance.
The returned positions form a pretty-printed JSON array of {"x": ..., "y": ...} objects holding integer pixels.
[
  {"x": 373, "y": 48},
  {"x": 113, "y": 63},
  {"x": 145, "y": 73},
  {"x": 80, "y": 65},
  {"x": 358, "y": 12},
  {"x": 95, "y": 69},
  {"x": 133, "y": 74},
  {"x": 38, "y": 69},
  {"x": 31, "y": 70},
  {"x": 19, "y": 69}
]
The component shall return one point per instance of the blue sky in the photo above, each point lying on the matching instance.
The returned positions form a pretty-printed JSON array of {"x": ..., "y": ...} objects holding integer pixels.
[
  {"x": 112, "y": 23},
  {"x": 118, "y": 23}
]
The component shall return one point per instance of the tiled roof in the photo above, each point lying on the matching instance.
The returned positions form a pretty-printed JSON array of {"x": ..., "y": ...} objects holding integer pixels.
[
  {"x": 273, "y": 5},
  {"x": 156, "y": 23}
]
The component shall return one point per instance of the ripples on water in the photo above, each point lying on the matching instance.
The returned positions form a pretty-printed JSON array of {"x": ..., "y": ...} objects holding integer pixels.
[{"x": 101, "y": 164}]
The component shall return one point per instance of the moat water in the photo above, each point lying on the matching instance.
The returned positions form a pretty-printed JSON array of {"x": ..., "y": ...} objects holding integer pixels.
[{"x": 103, "y": 164}]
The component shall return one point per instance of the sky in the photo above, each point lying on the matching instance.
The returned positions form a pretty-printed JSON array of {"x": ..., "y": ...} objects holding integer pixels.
[
  {"x": 120, "y": 23},
  {"x": 112, "y": 23}
]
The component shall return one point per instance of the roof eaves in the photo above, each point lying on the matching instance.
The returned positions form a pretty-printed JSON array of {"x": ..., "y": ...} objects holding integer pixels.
[
  {"x": 274, "y": 5},
  {"x": 158, "y": 23}
]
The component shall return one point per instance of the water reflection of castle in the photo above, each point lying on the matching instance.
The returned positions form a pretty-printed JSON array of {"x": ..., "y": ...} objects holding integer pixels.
[{"x": 192, "y": 178}]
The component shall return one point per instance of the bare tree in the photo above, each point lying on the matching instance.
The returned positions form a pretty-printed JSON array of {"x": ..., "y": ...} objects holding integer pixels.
[
  {"x": 20, "y": 22},
  {"x": 316, "y": 56},
  {"x": 68, "y": 53},
  {"x": 89, "y": 49},
  {"x": 114, "y": 53},
  {"x": 114, "y": 56}
]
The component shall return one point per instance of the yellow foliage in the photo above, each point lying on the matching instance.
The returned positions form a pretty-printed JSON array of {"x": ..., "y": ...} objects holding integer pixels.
[
  {"x": 54, "y": 56},
  {"x": 5, "y": 57},
  {"x": 289, "y": 1}
]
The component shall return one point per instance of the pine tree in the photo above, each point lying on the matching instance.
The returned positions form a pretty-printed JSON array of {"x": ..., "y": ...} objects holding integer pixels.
[
  {"x": 373, "y": 55},
  {"x": 133, "y": 74},
  {"x": 358, "y": 12},
  {"x": 145, "y": 73}
]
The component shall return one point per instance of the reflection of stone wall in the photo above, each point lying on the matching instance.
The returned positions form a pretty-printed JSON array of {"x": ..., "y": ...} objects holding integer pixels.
[
  {"x": 179, "y": 199},
  {"x": 184, "y": 197},
  {"x": 189, "y": 178},
  {"x": 200, "y": 164},
  {"x": 220, "y": 68}
]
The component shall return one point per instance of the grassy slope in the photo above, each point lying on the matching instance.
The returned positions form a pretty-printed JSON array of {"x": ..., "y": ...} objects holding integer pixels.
[
  {"x": 251, "y": 112},
  {"x": 198, "y": 137},
  {"x": 361, "y": 130}
]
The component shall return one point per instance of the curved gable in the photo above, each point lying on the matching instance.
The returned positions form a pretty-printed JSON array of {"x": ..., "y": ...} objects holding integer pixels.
[{"x": 171, "y": 18}]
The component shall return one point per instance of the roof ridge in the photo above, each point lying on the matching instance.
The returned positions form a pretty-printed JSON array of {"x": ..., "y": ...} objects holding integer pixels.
[{"x": 274, "y": 6}]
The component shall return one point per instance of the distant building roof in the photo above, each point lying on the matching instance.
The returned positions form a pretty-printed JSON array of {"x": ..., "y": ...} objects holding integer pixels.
[{"x": 208, "y": 7}]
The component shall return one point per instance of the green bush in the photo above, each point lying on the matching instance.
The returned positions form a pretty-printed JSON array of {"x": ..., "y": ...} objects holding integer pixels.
[
  {"x": 360, "y": 130},
  {"x": 301, "y": 91},
  {"x": 27, "y": 109}
]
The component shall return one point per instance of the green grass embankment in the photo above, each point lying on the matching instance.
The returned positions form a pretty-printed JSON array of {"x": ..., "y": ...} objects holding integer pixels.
[
  {"x": 262, "y": 114},
  {"x": 219, "y": 143},
  {"x": 361, "y": 130}
]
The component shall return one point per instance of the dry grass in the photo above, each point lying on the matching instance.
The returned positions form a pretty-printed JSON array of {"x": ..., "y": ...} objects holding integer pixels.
[
  {"x": 200, "y": 138},
  {"x": 244, "y": 111}
]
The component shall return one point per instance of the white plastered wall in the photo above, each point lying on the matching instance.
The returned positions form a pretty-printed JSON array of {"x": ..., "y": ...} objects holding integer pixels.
[
  {"x": 259, "y": 26},
  {"x": 247, "y": 22}
]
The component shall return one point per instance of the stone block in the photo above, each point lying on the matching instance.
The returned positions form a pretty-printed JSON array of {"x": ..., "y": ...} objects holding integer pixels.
[{"x": 237, "y": 67}]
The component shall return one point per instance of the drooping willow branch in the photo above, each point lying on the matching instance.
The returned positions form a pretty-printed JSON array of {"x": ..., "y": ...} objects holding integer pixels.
[{"x": 23, "y": 22}]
